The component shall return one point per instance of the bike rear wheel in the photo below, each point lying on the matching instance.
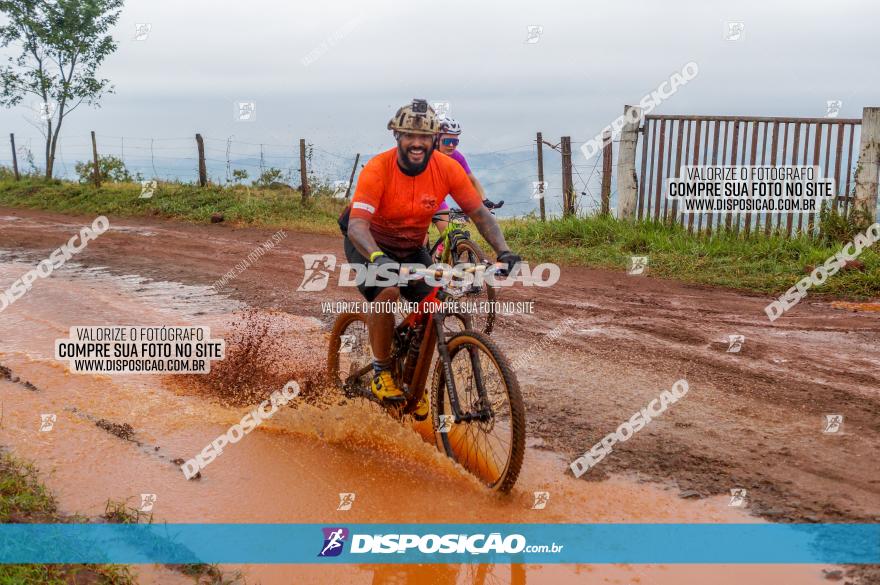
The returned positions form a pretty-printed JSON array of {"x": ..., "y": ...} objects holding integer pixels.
[
  {"x": 492, "y": 450},
  {"x": 468, "y": 252}
]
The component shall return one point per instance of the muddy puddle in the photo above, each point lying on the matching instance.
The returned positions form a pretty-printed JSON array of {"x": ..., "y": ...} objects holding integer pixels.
[{"x": 293, "y": 467}]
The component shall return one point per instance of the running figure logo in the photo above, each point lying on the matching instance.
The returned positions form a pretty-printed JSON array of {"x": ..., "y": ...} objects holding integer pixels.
[
  {"x": 142, "y": 31},
  {"x": 735, "y": 343},
  {"x": 734, "y": 30},
  {"x": 246, "y": 111},
  {"x": 534, "y": 33},
  {"x": 147, "y": 188},
  {"x": 334, "y": 539},
  {"x": 45, "y": 110},
  {"x": 346, "y": 343},
  {"x": 538, "y": 189},
  {"x": 832, "y": 108},
  {"x": 637, "y": 265},
  {"x": 47, "y": 421},
  {"x": 446, "y": 422},
  {"x": 541, "y": 499},
  {"x": 147, "y": 502},
  {"x": 441, "y": 109},
  {"x": 833, "y": 422},
  {"x": 738, "y": 497},
  {"x": 340, "y": 188},
  {"x": 318, "y": 269},
  {"x": 346, "y": 499}
]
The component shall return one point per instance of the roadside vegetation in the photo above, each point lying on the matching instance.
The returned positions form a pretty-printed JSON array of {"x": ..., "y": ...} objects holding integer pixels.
[
  {"x": 766, "y": 264},
  {"x": 762, "y": 264},
  {"x": 266, "y": 203},
  {"x": 23, "y": 499}
]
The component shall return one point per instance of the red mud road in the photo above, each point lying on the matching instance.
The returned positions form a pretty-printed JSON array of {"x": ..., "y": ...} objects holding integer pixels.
[{"x": 753, "y": 419}]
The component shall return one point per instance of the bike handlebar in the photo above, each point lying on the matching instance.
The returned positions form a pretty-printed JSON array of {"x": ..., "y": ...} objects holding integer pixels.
[
  {"x": 491, "y": 205},
  {"x": 488, "y": 204}
]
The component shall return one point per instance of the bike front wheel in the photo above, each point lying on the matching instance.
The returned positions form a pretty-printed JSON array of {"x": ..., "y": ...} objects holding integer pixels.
[
  {"x": 492, "y": 449},
  {"x": 483, "y": 295}
]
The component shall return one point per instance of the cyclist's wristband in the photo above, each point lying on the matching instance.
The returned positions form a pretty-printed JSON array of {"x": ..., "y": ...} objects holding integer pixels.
[{"x": 376, "y": 254}]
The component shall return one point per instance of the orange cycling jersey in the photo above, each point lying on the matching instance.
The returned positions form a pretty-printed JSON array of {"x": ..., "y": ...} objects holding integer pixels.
[{"x": 399, "y": 207}]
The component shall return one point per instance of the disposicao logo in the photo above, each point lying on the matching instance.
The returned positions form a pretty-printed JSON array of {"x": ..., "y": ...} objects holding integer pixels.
[{"x": 334, "y": 539}]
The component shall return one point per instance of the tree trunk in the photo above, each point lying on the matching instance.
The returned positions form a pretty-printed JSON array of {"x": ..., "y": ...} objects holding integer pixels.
[
  {"x": 49, "y": 150},
  {"x": 51, "y": 162}
]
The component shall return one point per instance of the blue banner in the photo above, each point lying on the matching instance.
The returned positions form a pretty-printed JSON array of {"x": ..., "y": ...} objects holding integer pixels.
[{"x": 441, "y": 543}]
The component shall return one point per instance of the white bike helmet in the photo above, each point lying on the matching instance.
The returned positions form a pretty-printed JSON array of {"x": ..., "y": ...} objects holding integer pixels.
[{"x": 449, "y": 126}]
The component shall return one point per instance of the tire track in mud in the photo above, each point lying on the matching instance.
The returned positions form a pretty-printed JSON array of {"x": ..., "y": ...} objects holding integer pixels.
[
  {"x": 6, "y": 374},
  {"x": 126, "y": 432}
]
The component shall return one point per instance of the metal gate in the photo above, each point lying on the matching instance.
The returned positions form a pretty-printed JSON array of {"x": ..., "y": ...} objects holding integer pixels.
[{"x": 670, "y": 142}]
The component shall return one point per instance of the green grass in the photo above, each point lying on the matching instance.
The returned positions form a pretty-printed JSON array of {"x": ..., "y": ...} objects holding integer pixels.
[
  {"x": 24, "y": 499},
  {"x": 116, "y": 512},
  {"x": 239, "y": 205},
  {"x": 21, "y": 493},
  {"x": 764, "y": 264}
]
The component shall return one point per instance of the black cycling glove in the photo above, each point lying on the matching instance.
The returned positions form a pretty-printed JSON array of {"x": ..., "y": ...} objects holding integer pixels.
[
  {"x": 387, "y": 266},
  {"x": 510, "y": 259}
]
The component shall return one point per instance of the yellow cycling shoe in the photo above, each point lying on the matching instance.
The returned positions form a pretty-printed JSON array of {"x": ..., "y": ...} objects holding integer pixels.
[
  {"x": 421, "y": 411},
  {"x": 385, "y": 388}
]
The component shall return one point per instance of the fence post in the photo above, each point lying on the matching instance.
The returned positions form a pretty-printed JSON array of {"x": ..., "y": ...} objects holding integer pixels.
[
  {"x": 354, "y": 169},
  {"x": 627, "y": 180},
  {"x": 607, "y": 170},
  {"x": 868, "y": 168},
  {"x": 567, "y": 182},
  {"x": 97, "y": 170},
  {"x": 541, "y": 174},
  {"x": 203, "y": 171},
  {"x": 14, "y": 156},
  {"x": 304, "y": 185}
]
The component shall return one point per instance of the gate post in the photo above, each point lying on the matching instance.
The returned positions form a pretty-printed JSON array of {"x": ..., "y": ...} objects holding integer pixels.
[
  {"x": 627, "y": 181},
  {"x": 868, "y": 168}
]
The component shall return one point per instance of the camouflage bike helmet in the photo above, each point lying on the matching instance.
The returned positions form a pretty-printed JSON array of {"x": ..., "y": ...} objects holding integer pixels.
[{"x": 415, "y": 118}]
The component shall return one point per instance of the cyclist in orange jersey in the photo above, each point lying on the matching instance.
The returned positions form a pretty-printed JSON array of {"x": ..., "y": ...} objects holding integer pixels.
[{"x": 396, "y": 196}]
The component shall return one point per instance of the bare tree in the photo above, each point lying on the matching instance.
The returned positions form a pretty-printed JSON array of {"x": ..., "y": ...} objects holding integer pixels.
[{"x": 61, "y": 45}]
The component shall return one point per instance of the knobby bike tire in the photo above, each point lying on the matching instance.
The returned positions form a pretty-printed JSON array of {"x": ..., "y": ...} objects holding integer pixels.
[
  {"x": 457, "y": 343},
  {"x": 465, "y": 246},
  {"x": 342, "y": 323}
]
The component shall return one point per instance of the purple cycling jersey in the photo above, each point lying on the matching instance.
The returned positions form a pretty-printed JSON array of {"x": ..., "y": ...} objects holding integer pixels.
[{"x": 459, "y": 158}]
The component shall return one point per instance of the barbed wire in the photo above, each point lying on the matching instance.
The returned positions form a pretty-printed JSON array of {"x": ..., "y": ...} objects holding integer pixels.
[{"x": 176, "y": 159}]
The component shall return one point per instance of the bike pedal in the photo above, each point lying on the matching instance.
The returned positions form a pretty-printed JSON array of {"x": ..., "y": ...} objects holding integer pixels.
[{"x": 394, "y": 401}]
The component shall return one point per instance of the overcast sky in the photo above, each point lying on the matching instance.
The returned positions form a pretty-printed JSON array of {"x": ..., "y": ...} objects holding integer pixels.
[{"x": 201, "y": 56}]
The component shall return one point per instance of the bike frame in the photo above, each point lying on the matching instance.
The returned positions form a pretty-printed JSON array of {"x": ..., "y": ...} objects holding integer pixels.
[
  {"x": 457, "y": 218},
  {"x": 446, "y": 238},
  {"x": 432, "y": 323}
]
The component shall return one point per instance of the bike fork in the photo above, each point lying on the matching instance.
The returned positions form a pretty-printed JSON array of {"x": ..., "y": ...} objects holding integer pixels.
[{"x": 446, "y": 361}]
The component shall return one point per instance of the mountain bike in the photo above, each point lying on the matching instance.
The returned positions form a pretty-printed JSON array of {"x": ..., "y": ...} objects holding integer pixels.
[
  {"x": 455, "y": 246},
  {"x": 477, "y": 412}
]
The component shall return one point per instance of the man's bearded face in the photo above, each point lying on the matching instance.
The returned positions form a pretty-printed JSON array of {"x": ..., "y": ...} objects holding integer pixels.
[{"x": 414, "y": 151}]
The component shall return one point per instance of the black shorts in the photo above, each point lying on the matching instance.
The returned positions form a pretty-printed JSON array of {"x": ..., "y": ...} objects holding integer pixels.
[{"x": 413, "y": 291}]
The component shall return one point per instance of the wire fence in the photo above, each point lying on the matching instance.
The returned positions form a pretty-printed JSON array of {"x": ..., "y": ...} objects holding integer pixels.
[{"x": 509, "y": 173}]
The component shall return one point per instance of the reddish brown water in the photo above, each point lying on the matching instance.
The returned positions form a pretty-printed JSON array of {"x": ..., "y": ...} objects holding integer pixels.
[{"x": 292, "y": 468}]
